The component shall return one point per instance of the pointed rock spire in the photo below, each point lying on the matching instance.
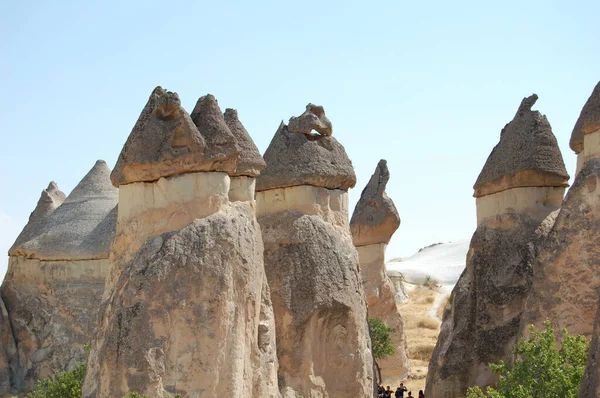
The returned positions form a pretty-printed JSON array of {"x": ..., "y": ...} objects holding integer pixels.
[
  {"x": 83, "y": 226},
  {"x": 50, "y": 199},
  {"x": 250, "y": 162},
  {"x": 375, "y": 218},
  {"x": 526, "y": 156},
  {"x": 221, "y": 145},
  {"x": 305, "y": 159},
  {"x": 163, "y": 142},
  {"x": 588, "y": 122}
]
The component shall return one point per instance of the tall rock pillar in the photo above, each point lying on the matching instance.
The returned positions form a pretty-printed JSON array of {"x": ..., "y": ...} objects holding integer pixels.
[
  {"x": 55, "y": 278},
  {"x": 323, "y": 343},
  {"x": 187, "y": 307},
  {"x": 567, "y": 270},
  {"x": 522, "y": 182},
  {"x": 374, "y": 221}
]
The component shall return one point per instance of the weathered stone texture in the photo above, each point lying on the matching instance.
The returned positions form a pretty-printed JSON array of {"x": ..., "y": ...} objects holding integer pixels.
[
  {"x": 299, "y": 159},
  {"x": 8, "y": 352},
  {"x": 567, "y": 270},
  {"x": 250, "y": 162},
  {"x": 375, "y": 218},
  {"x": 323, "y": 342},
  {"x": 588, "y": 121},
  {"x": 526, "y": 156},
  {"x": 190, "y": 313},
  {"x": 590, "y": 384},
  {"x": 313, "y": 118}
]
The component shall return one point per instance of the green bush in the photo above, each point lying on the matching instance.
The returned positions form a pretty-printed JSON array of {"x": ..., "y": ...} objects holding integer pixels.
[
  {"x": 540, "y": 369},
  {"x": 61, "y": 385},
  {"x": 381, "y": 344}
]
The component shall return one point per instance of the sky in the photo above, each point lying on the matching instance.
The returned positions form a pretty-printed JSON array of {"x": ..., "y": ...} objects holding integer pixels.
[{"x": 426, "y": 85}]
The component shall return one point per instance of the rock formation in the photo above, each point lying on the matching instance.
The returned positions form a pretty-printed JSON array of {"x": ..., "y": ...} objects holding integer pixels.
[
  {"x": 187, "y": 307},
  {"x": 586, "y": 129},
  {"x": 8, "y": 353},
  {"x": 323, "y": 343},
  {"x": 590, "y": 384},
  {"x": 374, "y": 221},
  {"x": 397, "y": 279},
  {"x": 567, "y": 270},
  {"x": 522, "y": 182},
  {"x": 55, "y": 277}
]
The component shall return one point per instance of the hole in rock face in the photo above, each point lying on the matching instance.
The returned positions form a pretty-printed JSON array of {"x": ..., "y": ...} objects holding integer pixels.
[{"x": 167, "y": 112}]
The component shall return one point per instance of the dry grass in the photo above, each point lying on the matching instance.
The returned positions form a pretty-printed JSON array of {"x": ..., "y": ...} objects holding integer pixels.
[
  {"x": 440, "y": 311},
  {"x": 428, "y": 323},
  {"x": 421, "y": 332}
]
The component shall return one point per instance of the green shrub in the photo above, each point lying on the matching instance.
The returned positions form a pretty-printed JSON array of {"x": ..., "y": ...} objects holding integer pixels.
[
  {"x": 61, "y": 385},
  {"x": 540, "y": 369}
]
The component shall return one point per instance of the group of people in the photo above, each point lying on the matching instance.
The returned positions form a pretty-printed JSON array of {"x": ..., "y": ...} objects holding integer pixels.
[{"x": 399, "y": 393}]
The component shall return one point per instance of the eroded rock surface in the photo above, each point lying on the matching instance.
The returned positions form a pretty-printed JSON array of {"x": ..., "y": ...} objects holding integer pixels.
[
  {"x": 313, "y": 118},
  {"x": 55, "y": 277},
  {"x": 521, "y": 184},
  {"x": 302, "y": 159},
  {"x": 187, "y": 306},
  {"x": 590, "y": 384},
  {"x": 588, "y": 121},
  {"x": 323, "y": 343},
  {"x": 9, "y": 360},
  {"x": 374, "y": 221}
]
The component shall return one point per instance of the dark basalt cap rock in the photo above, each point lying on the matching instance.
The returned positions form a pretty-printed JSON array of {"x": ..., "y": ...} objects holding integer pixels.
[
  {"x": 375, "y": 218},
  {"x": 588, "y": 122},
  {"x": 526, "y": 156},
  {"x": 250, "y": 162},
  {"x": 221, "y": 144},
  {"x": 83, "y": 226},
  {"x": 299, "y": 159},
  {"x": 50, "y": 200},
  {"x": 313, "y": 118},
  {"x": 166, "y": 142}
]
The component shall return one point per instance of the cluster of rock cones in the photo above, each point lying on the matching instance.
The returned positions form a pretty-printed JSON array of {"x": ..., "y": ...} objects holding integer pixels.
[{"x": 199, "y": 267}]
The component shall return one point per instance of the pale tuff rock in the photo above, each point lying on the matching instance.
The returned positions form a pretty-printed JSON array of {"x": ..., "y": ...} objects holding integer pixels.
[
  {"x": 190, "y": 313},
  {"x": 251, "y": 162},
  {"x": 50, "y": 199},
  {"x": 567, "y": 270},
  {"x": 588, "y": 121},
  {"x": 397, "y": 280},
  {"x": 83, "y": 226},
  {"x": 299, "y": 159},
  {"x": 526, "y": 156},
  {"x": 186, "y": 307},
  {"x": 590, "y": 383},
  {"x": 374, "y": 221},
  {"x": 482, "y": 320},
  {"x": 375, "y": 218},
  {"x": 313, "y": 118},
  {"x": 55, "y": 280},
  {"x": 323, "y": 344},
  {"x": 8, "y": 352}
]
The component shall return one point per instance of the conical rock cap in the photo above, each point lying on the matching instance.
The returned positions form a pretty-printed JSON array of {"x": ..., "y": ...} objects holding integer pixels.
[
  {"x": 50, "y": 199},
  {"x": 250, "y": 162},
  {"x": 588, "y": 122},
  {"x": 526, "y": 156},
  {"x": 375, "y": 218},
  {"x": 305, "y": 159},
  {"x": 83, "y": 226}
]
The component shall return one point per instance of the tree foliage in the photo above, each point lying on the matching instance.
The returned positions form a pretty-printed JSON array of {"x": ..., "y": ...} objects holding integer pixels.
[
  {"x": 540, "y": 370},
  {"x": 61, "y": 385},
  {"x": 380, "y": 338}
]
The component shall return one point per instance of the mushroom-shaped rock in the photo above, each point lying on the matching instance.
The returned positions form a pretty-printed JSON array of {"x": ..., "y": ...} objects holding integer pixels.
[
  {"x": 220, "y": 142},
  {"x": 250, "y": 162},
  {"x": 164, "y": 142},
  {"x": 83, "y": 226},
  {"x": 375, "y": 218},
  {"x": 298, "y": 159},
  {"x": 526, "y": 156},
  {"x": 50, "y": 200},
  {"x": 313, "y": 118},
  {"x": 588, "y": 122}
]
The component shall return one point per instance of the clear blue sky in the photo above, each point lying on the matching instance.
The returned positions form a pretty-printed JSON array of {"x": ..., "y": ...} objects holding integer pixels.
[{"x": 426, "y": 85}]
